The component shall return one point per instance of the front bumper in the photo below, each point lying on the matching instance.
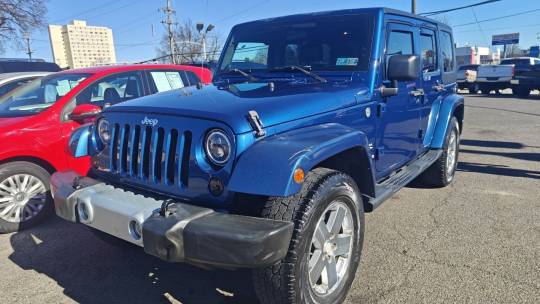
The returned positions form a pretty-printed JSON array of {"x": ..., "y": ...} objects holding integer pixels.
[{"x": 184, "y": 233}]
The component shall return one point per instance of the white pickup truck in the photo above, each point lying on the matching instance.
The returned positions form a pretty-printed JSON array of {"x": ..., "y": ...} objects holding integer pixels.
[{"x": 495, "y": 77}]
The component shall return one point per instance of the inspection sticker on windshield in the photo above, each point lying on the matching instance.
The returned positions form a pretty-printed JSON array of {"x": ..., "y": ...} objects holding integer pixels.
[{"x": 347, "y": 61}]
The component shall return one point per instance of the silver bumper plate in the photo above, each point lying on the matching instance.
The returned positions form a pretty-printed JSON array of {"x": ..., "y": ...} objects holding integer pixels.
[{"x": 115, "y": 211}]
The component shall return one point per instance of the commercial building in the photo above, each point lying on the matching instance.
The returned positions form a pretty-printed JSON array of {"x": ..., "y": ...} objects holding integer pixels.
[
  {"x": 77, "y": 45},
  {"x": 477, "y": 55}
]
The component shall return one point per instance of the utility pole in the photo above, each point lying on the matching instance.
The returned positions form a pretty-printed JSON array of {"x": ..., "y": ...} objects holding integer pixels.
[
  {"x": 28, "y": 49},
  {"x": 413, "y": 7},
  {"x": 169, "y": 11}
]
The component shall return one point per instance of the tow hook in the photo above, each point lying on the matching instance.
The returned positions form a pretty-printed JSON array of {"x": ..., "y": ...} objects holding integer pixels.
[{"x": 164, "y": 210}]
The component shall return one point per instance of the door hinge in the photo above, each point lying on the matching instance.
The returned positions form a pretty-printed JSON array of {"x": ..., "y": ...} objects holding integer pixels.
[{"x": 256, "y": 123}]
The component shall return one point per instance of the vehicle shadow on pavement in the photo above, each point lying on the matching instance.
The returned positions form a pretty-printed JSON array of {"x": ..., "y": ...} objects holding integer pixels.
[
  {"x": 91, "y": 271},
  {"x": 497, "y": 170},
  {"x": 530, "y": 156}
]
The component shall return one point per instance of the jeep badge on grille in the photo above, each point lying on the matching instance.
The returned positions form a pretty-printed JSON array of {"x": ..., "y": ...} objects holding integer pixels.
[{"x": 149, "y": 122}]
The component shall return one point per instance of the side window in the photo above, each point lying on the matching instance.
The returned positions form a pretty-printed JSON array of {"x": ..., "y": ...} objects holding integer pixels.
[
  {"x": 167, "y": 80},
  {"x": 428, "y": 51},
  {"x": 400, "y": 43},
  {"x": 447, "y": 52},
  {"x": 112, "y": 90}
]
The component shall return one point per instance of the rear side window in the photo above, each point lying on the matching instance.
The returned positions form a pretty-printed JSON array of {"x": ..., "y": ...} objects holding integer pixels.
[
  {"x": 167, "y": 80},
  {"x": 429, "y": 51},
  {"x": 447, "y": 52}
]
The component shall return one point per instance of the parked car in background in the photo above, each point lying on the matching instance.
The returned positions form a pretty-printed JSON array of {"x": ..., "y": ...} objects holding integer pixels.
[
  {"x": 494, "y": 77},
  {"x": 527, "y": 75},
  {"x": 272, "y": 167},
  {"x": 20, "y": 65},
  {"x": 37, "y": 119},
  {"x": 11, "y": 81},
  {"x": 466, "y": 78}
]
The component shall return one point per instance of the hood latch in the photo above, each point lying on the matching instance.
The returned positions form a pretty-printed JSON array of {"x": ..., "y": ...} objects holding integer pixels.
[{"x": 256, "y": 123}]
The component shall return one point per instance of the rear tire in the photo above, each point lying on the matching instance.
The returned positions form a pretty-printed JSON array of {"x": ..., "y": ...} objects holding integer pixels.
[
  {"x": 523, "y": 92},
  {"x": 316, "y": 269},
  {"x": 25, "y": 198},
  {"x": 442, "y": 172}
]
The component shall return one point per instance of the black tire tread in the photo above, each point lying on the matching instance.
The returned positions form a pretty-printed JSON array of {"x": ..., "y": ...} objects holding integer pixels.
[{"x": 267, "y": 280}]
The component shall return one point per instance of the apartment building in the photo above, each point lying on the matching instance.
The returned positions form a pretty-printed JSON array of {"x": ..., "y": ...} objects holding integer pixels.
[{"x": 76, "y": 45}]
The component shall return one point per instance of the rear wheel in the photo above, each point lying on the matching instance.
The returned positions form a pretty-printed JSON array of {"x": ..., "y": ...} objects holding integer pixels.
[
  {"x": 326, "y": 244},
  {"x": 25, "y": 198},
  {"x": 442, "y": 172}
]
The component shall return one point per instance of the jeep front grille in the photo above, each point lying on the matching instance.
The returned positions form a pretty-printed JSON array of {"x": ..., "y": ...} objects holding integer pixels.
[{"x": 156, "y": 154}]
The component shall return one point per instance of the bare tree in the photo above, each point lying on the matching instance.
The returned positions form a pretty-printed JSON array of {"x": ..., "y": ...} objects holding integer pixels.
[
  {"x": 513, "y": 50},
  {"x": 188, "y": 44},
  {"x": 18, "y": 17}
]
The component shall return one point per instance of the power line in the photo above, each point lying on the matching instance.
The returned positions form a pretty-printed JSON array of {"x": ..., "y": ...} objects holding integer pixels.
[
  {"x": 243, "y": 11},
  {"x": 498, "y": 18},
  {"x": 479, "y": 26},
  {"x": 458, "y": 8}
]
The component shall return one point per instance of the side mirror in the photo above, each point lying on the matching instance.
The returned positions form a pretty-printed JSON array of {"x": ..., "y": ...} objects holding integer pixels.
[
  {"x": 403, "y": 68},
  {"x": 84, "y": 113}
]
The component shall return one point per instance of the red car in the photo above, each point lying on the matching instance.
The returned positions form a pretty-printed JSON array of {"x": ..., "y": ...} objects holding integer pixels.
[{"x": 36, "y": 121}]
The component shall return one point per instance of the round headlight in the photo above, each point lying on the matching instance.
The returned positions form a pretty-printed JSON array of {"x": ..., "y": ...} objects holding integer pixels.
[
  {"x": 217, "y": 147},
  {"x": 104, "y": 131}
]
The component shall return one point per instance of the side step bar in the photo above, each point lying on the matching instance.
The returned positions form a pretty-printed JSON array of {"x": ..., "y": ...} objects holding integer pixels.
[{"x": 400, "y": 179}]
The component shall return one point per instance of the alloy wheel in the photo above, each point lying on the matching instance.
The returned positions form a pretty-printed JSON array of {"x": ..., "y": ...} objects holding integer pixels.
[
  {"x": 331, "y": 248},
  {"x": 22, "y": 197}
]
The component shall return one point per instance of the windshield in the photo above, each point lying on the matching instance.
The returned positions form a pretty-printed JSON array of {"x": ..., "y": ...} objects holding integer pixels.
[
  {"x": 333, "y": 43},
  {"x": 38, "y": 95}
]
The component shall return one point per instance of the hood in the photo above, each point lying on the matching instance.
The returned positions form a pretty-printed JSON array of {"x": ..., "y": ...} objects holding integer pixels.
[{"x": 275, "y": 103}]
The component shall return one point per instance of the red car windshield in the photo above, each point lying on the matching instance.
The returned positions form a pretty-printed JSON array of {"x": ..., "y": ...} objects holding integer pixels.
[{"x": 38, "y": 95}]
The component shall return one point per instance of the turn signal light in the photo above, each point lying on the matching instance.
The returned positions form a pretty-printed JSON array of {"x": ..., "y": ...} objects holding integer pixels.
[{"x": 299, "y": 175}]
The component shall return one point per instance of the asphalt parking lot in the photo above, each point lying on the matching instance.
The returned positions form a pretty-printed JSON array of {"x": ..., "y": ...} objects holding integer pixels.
[{"x": 477, "y": 241}]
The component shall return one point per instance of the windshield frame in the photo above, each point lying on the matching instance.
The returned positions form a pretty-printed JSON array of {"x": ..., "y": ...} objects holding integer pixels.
[
  {"x": 37, "y": 85},
  {"x": 223, "y": 72}
]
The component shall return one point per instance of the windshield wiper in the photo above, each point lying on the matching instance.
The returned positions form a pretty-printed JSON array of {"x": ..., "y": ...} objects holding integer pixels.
[
  {"x": 300, "y": 69},
  {"x": 243, "y": 73}
]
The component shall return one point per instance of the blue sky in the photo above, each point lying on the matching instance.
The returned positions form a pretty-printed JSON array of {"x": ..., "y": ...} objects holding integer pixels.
[{"x": 132, "y": 21}]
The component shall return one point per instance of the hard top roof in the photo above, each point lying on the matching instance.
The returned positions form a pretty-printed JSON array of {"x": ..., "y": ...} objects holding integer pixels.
[{"x": 373, "y": 11}]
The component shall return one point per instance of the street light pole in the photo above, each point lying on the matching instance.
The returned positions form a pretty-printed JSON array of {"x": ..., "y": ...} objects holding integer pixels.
[
  {"x": 413, "y": 6},
  {"x": 200, "y": 27}
]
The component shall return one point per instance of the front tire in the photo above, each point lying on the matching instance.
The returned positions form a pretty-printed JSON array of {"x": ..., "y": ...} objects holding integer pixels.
[
  {"x": 326, "y": 245},
  {"x": 25, "y": 197}
]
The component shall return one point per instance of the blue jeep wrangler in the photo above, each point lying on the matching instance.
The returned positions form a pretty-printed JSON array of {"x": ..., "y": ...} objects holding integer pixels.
[{"x": 311, "y": 121}]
